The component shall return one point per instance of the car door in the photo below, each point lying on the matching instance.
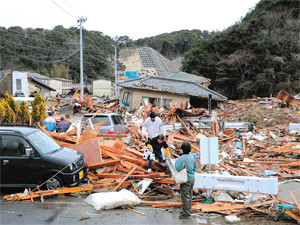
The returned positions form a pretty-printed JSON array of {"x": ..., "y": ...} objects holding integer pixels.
[{"x": 17, "y": 168}]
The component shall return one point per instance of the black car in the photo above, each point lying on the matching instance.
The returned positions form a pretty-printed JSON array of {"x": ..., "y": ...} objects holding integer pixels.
[{"x": 29, "y": 157}]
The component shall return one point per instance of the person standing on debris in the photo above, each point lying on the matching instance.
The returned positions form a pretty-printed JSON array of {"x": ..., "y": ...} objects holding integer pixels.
[
  {"x": 188, "y": 161},
  {"x": 153, "y": 150},
  {"x": 154, "y": 126},
  {"x": 50, "y": 122},
  {"x": 62, "y": 126}
]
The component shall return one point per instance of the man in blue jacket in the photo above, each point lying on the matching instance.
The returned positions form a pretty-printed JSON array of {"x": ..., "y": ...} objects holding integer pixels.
[{"x": 188, "y": 161}]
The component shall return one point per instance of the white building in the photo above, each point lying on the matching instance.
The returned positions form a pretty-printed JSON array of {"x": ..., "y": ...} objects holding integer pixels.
[{"x": 103, "y": 87}]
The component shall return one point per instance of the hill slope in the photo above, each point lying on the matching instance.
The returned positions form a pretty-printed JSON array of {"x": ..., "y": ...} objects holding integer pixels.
[{"x": 258, "y": 56}]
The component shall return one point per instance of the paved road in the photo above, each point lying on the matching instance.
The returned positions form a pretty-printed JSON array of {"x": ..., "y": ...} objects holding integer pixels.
[{"x": 68, "y": 210}]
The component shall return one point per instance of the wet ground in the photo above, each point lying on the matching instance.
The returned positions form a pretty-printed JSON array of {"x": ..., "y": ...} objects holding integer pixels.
[{"x": 73, "y": 210}]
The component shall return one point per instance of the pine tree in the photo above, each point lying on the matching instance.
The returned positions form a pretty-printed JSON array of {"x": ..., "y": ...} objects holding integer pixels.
[
  {"x": 7, "y": 115},
  {"x": 24, "y": 113},
  {"x": 38, "y": 107}
]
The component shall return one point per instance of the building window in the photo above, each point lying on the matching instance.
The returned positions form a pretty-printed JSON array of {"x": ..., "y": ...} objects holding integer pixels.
[
  {"x": 126, "y": 98},
  {"x": 166, "y": 102},
  {"x": 148, "y": 100},
  {"x": 19, "y": 84}
]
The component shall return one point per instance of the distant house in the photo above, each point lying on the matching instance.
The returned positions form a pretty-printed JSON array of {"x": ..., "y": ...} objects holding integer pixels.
[
  {"x": 22, "y": 84},
  {"x": 102, "y": 87},
  {"x": 190, "y": 77},
  {"x": 61, "y": 85},
  {"x": 161, "y": 91},
  {"x": 37, "y": 85},
  {"x": 14, "y": 82}
]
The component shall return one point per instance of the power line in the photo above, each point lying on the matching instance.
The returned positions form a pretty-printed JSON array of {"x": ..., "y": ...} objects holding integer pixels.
[
  {"x": 63, "y": 9},
  {"x": 73, "y": 8},
  {"x": 40, "y": 61}
]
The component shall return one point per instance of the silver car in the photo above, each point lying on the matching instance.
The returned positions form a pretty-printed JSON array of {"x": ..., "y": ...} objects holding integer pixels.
[{"x": 114, "y": 123}]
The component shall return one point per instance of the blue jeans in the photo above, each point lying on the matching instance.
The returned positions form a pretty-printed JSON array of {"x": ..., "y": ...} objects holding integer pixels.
[{"x": 150, "y": 162}]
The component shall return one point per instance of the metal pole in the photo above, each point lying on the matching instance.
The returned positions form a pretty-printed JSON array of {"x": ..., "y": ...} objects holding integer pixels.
[
  {"x": 81, "y": 20},
  {"x": 116, "y": 74}
]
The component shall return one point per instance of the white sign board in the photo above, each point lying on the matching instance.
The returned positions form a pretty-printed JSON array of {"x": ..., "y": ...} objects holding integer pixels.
[
  {"x": 209, "y": 150},
  {"x": 237, "y": 183}
]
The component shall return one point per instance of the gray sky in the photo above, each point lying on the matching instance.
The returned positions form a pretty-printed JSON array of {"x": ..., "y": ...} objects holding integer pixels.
[{"x": 135, "y": 18}]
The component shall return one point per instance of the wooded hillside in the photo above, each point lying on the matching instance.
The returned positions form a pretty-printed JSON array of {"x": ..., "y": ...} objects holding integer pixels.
[
  {"x": 257, "y": 56},
  {"x": 56, "y": 52}
]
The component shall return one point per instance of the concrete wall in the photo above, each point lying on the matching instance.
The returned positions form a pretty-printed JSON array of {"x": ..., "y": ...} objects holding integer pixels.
[
  {"x": 5, "y": 84},
  {"x": 102, "y": 87},
  {"x": 137, "y": 95}
]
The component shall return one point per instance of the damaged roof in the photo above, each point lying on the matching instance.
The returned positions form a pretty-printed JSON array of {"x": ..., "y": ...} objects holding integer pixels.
[
  {"x": 42, "y": 83},
  {"x": 187, "y": 76},
  {"x": 173, "y": 86}
]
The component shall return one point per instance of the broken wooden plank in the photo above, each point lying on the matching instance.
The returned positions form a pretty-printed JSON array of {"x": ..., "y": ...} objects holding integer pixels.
[
  {"x": 37, "y": 194},
  {"x": 297, "y": 204},
  {"x": 292, "y": 215},
  {"x": 104, "y": 163},
  {"x": 108, "y": 175},
  {"x": 131, "y": 171}
]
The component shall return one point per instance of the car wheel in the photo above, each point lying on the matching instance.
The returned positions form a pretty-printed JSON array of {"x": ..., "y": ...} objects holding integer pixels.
[{"x": 54, "y": 183}]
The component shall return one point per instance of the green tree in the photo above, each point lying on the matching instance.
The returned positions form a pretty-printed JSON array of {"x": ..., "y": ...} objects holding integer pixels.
[
  {"x": 7, "y": 115},
  {"x": 38, "y": 108},
  {"x": 13, "y": 105},
  {"x": 60, "y": 71},
  {"x": 25, "y": 114}
]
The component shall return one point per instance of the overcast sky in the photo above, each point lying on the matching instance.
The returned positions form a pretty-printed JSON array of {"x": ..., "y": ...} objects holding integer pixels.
[{"x": 134, "y": 18}]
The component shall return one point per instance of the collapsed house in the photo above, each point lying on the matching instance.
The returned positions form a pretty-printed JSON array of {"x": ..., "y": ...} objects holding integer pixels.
[{"x": 161, "y": 91}]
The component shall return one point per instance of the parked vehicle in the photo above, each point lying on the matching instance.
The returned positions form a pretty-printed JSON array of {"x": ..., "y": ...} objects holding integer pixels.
[
  {"x": 28, "y": 100},
  {"x": 29, "y": 157},
  {"x": 114, "y": 123},
  {"x": 19, "y": 94}
]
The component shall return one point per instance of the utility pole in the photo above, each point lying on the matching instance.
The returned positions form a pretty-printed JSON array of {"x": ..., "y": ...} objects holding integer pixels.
[
  {"x": 116, "y": 74},
  {"x": 80, "y": 21}
]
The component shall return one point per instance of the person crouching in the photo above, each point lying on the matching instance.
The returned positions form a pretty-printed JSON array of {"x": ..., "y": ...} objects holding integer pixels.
[{"x": 153, "y": 150}]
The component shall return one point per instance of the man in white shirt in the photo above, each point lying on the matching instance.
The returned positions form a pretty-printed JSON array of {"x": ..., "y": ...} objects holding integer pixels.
[{"x": 154, "y": 126}]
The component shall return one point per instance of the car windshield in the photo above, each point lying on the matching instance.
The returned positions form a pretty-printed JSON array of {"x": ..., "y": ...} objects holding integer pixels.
[
  {"x": 43, "y": 142},
  {"x": 98, "y": 119},
  {"x": 117, "y": 120}
]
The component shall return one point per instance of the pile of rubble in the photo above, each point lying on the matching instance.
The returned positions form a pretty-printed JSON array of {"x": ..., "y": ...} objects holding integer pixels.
[{"x": 257, "y": 137}]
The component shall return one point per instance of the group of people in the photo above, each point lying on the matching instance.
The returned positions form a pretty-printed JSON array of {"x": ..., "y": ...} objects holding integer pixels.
[
  {"x": 155, "y": 142},
  {"x": 61, "y": 127}
]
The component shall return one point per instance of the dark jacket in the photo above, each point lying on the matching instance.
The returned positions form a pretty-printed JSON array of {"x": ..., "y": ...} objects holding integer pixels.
[
  {"x": 62, "y": 127},
  {"x": 156, "y": 146}
]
